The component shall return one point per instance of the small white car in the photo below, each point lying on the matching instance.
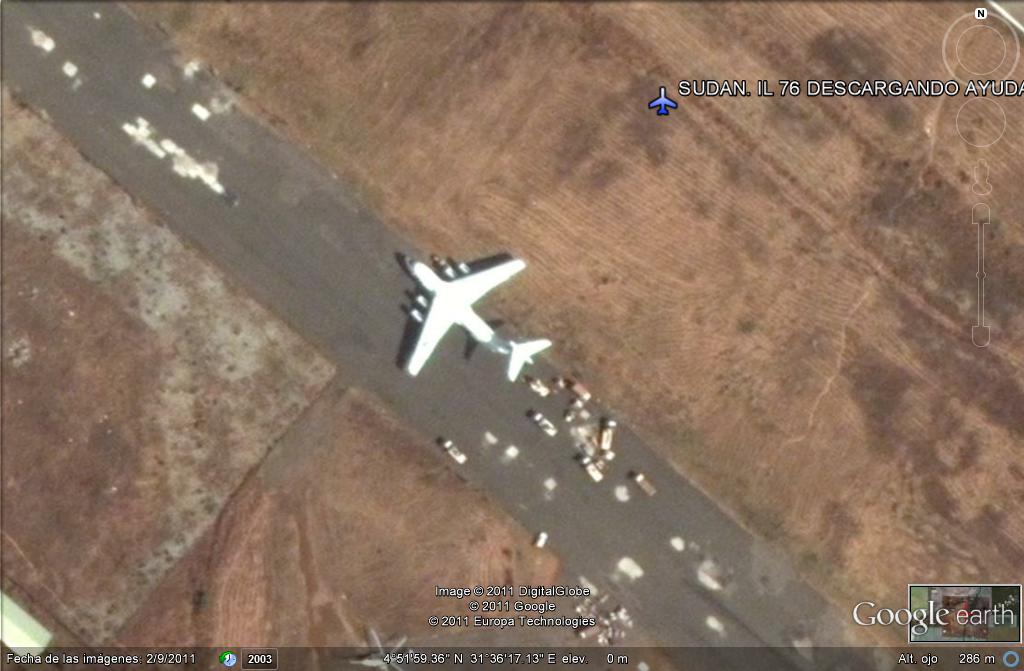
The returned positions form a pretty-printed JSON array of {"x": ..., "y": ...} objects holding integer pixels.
[
  {"x": 453, "y": 451},
  {"x": 541, "y": 540},
  {"x": 543, "y": 422}
]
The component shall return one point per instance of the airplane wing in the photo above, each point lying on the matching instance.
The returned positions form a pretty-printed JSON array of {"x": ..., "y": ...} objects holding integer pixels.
[
  {"x": 439, "y": 319},
  {"x": 471, "y": 287},
  {"x": 671, "y": 103},
  {"x": 654, "y": 103}
]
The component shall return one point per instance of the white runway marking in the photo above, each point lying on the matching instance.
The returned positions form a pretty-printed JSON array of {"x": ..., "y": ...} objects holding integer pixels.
[
  {"x": 200, "y": 112},
  {"x": 186, "y": 166},
  {"x": 549, "y": 489},
  {"x": 511, "y": 452},
  {"x": 182, "y": 163},
  {"x": 42, "y": 40},
  {"x": 629, "y": 567},
  {"x": 715, "y": 625},
  {"x": 220, "y": 105},
  {"x": 142, "y": 134},
  {"x": 148, "y": 80},
  {"x": 70, "y": 69}
]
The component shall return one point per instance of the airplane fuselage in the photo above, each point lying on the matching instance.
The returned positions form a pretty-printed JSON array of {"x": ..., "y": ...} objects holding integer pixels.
[{"x": 463, "y": 313}]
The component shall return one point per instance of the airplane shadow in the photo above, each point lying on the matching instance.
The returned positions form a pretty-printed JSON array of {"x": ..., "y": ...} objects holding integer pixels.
[
  {"x": 408, "y": 342},
  {"x": 488, "y": 262},
  {"x": 412, "y": 327},
  {"x": 472, "y": 345}
]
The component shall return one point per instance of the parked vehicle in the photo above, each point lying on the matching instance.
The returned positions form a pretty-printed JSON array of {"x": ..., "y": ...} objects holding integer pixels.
[
  {"x": 643, "y": 483},
  {"x": 538, "y": 386},
  {"x": 453, "y": 451},
  {"x": 543, "y": 422},
  {"x": 607, "y": 434},
  {"x": 593, "y": 468}
]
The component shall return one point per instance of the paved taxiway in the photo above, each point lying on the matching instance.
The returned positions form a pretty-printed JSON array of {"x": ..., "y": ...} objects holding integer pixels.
[{"x": 290, "y": 234}]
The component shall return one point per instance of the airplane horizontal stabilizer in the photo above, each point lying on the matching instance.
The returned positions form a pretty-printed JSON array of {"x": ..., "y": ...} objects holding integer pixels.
[{"x": 521, "y": 353}]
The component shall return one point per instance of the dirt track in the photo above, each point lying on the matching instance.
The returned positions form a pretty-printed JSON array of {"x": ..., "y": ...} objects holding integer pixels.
[
  {"x": 777, "y": 293},
  {"x": 142, "y": 394},
  {"x": 350, "y": 523},
  {"x": 139, "y": 387}
]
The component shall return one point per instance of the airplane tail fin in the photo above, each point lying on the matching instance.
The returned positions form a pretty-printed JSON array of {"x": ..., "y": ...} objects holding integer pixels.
[{"x": 521, "y": 353}]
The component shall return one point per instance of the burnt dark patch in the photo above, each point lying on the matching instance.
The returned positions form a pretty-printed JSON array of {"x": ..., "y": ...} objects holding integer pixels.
[
  {"x": 839, "y": 527},
  {"x": 922, "y": 447},
  {"x": 580, "y": 139},
  {"x": 643, "y": 131},
  {"x": 812, "y": 237},
  {"x": 485, "y": 40},
  {"x": 649, "y": 137},
  {"x": 106, "y": 440},
  {"x": 358, "y": 48},
  {"x": 847, "y": 54},
  {"x": 199, "y": 601},
  {"x": 939, "y": 499},
  {"x": 879, "y": 386},
  {"x": 605, "y": 173},
  {"x": 968, "y": 453},
  {"x": 988, "y": 528},
  {"x": 936, "y": 247},
  {"x": 746, "y": 326},
  {"x": 737, "y": 170},
  {"x": 971, "y": 375},
  {"x": 801, "y": 117}
]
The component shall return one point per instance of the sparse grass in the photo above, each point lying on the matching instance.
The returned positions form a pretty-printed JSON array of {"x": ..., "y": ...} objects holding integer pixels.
[{"x": 786, "y": 272}]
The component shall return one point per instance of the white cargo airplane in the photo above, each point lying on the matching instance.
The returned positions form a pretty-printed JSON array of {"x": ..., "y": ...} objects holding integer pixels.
[{"x": 451, "y": 302}]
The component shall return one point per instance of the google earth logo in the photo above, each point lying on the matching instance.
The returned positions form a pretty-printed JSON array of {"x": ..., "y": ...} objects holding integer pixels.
[{"x": 228, "y": 658}]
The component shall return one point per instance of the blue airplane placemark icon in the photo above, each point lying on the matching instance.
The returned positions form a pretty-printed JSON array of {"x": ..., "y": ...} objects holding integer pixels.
[{"x": 662, "y": 102}]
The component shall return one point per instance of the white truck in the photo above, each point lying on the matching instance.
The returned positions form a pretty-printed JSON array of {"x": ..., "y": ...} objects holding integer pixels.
[{"x": 606, "y": 434}]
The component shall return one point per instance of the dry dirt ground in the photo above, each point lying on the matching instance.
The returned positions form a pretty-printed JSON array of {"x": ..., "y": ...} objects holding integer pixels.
[
  {"x": 777, "y": 293},
  {"x": 142, "y": 394},
  {"x": 349, "y": 523},
  {"x": 139, "y": 388}
]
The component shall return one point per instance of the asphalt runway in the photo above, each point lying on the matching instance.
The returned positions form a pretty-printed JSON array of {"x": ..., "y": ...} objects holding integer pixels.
[{"x": 284, "y": 229}]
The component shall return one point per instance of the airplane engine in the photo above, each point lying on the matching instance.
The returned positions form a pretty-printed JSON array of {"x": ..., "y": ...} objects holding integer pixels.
[{"x": 443, "y": 266}]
